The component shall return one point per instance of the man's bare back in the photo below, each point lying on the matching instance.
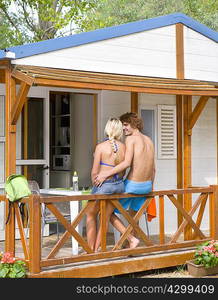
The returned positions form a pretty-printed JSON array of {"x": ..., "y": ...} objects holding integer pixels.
[{"x": 142, "y": 167}]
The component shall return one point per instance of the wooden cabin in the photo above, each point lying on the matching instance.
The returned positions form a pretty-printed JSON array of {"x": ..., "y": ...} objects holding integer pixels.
[{"x": 55, "y": 98}]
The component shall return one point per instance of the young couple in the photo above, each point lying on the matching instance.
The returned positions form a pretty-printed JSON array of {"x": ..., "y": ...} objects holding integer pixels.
[{"x": 111, "y": 159}]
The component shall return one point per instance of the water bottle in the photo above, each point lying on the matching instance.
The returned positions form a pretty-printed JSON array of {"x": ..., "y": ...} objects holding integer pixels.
[{"x": 75, "y": 182}]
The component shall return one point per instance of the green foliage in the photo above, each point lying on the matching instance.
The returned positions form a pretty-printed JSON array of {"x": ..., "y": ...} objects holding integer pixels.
[
  {"x": 205, "y": 11},
  {"x": 16, "y": 270},
  {"x": 25, "y": 21},
  {"x": 10, "y": 267},
  {"x": 207, "y": 254},
  {"x": 109, "y": 13}
]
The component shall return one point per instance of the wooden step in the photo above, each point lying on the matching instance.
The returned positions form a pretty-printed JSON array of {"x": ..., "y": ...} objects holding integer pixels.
[{"x": 118, "y": 266}]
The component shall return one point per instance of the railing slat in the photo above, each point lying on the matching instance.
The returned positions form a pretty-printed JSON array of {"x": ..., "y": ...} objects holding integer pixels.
[
  {"x": 161, "y": 219},
  {"x": 103, "y": 225},
  {"x": 200, "y": 214},
  {"x": 21, "y": 230}
]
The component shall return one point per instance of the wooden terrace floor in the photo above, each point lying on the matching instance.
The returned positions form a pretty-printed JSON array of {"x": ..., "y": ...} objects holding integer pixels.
[{"x": 115, "y": 266}]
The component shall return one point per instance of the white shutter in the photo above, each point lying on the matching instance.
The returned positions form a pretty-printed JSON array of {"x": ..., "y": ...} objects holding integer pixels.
[{"x": 167, "y": 132}]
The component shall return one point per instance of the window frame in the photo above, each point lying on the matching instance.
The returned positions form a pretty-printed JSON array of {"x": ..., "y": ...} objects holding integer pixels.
[{"x": 154, "y": 108}]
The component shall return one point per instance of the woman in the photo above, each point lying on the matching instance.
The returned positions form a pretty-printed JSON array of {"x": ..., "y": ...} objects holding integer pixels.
[{"x": 107, "y": 155}]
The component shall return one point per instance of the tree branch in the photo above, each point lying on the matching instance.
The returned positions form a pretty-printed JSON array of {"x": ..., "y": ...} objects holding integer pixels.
[{"x": 8, "y": 17}]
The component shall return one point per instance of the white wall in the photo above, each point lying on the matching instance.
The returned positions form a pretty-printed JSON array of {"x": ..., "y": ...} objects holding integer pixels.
[
  {"x": 82, "y": 137},
  {"x": 113, "y": 104},
  {"x": 204, "y": 151},
  {"x": 204, "y": 146},
  {"x": 201, "y": 56},
  {"x": 148, "y": 53}
]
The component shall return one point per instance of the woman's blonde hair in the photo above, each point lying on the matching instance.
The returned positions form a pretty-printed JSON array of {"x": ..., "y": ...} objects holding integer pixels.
[{"x": 114, "y": 131}]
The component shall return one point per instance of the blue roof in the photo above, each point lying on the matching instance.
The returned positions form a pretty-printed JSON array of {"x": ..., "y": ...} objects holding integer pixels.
[{"x": 108, "y": 33}]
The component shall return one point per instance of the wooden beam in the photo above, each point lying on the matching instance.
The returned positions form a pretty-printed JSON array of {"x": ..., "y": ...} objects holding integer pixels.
[
  {"x": 121, "y": 266},
  {"x": 5, "y": 63},
  {"x": 187, "y": 179},
  {"x": 179, "y": 51},
  {"x": 197, "y": 111},
  {"x": 20, "y": 76},
  {"x": 105, "y": 86},
  {"x": 134, "y": 102},
  {"x": 10, "y": 158},
  {"x": 21, "y": 99},
  {"x": 72, "y": 75}
]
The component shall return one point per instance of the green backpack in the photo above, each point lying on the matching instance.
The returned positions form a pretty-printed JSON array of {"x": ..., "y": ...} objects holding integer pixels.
[{"x": 16, "y": 187}]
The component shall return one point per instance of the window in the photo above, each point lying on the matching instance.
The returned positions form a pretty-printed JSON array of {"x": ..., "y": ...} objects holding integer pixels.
[
  {"x": 167, "y": 132},
  {"x": 148, "y": 118}
]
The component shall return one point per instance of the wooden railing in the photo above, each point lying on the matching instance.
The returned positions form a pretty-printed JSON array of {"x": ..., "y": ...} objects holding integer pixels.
[{"x": 33, "y": 250}]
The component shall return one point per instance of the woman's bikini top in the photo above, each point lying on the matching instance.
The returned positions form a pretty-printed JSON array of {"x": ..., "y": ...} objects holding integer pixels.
[{"x": 115, "y": 176}]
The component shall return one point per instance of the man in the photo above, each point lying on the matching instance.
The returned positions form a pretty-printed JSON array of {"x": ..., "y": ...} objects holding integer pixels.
[{"x": 139, "y": 156}]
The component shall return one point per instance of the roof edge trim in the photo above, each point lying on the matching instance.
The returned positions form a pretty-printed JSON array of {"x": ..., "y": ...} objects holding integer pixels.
[{"x": 108, "y": 33}]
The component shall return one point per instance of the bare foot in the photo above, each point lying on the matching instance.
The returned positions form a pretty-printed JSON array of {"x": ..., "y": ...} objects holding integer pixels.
[
  {"x": 97, "y": 250},
  {"x": 133, "y": 243}
]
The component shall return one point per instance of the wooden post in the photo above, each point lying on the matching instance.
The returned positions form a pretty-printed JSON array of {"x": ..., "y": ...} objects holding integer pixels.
[
  {"x": 95, "y": 120},
  {"x": 214, "y": 213},
  {"x": 10, "y": 156},
  {"x": 187, "y": 108},
  {"x": 217, "y": 138},
  {"x": 35, "y": 234},
  {"x": 180, "y": 70},
  {"x": 134, "y": 102},
  {"x": 179, "y": 114},
  {"x": 25, "y": 137},
  {"x": 180, "y": 51},
  {"x": 161, "y": 219}
]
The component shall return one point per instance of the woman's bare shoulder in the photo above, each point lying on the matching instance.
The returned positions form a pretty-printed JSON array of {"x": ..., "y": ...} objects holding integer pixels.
[{"x": 102, "y": 145}]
